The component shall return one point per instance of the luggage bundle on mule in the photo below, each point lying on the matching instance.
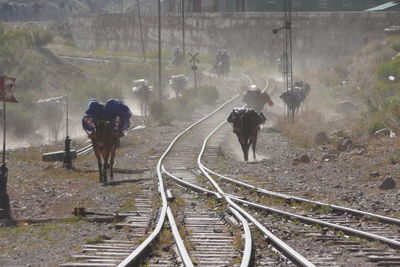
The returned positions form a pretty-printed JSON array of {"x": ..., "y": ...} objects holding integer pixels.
[
  {"x": 118, "y": 115},
  {"x": 114, "y": 111}
]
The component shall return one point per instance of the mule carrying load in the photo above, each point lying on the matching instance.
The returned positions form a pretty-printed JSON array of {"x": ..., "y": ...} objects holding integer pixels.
[
  {"x": 105, "y": 124},
  {"x": 246, "y": 125},
  {"x": 116, "y": 113},
  {"x": 178, "y": 83}
]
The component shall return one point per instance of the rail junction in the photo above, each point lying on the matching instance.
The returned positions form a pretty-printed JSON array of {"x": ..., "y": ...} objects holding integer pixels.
[{"x": 216, "y": 220}]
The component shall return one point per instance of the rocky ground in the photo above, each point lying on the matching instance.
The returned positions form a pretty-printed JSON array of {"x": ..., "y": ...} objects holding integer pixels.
[{"x": 40, "y": 190}]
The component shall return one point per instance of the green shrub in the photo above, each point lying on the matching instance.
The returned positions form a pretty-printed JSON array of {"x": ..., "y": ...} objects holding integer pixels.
[
  {"x": 160, "y": 112},
  {"x": 391, "y": 68},
  {"x": 375, "y": 126},
  {"x": 182, "y": 108},
  {"x": 40, "y": 37},
  {"x": 208, "y": 94},
  {"x": 395, "y": 43}
]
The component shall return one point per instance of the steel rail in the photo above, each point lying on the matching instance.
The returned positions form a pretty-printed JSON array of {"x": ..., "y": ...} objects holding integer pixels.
[
  {"x": 265, "y": 231},
  {"x": 381, "y": 218},
  {"x": 390, "y": 242},
  {"x": 247, "y": 233},
  {"x": 85, "y": 150},
  {"x": 289, "y": 252},
  {"x": 192, "y": 186},
  {"x": 178, "y": 240},
  {"x": 139, "y": 250}
]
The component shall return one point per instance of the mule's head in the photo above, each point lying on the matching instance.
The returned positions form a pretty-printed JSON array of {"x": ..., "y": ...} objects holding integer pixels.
[
  {"x": 101, "y": 133},
  {"x": 235, "y": 118}
]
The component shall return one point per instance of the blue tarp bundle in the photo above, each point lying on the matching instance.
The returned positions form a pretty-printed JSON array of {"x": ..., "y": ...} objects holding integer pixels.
[
  {"x": 88, "y": 123},
  {"x": 95, "y": 108},
  {"x": 115, "y": 107},
  {"x": 115, "y": 111}
]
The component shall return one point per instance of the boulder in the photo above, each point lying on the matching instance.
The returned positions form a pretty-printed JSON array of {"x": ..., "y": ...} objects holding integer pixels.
[
  {"x": 374, "y": 174},
  {"x": 346, "y": 108},
  {"x": 321, "y": 139},
  {"x": 338, "y": 133},
  {"x": 303, "y": 159},
  {"x": 387, "y": 184},
  {"x": 344, "y": 144}
]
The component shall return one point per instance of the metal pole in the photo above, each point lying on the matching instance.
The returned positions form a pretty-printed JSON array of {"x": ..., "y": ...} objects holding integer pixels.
[
  {"x": 66, "y": 116},
  {"x": 183, "y": 28},
  {"x": 4, "y": 133},
  {"x": 195, "y": 81},
  {"x": 290, "y": 44},
  {"x": 141, "y": 31},
  {"x": 5, "y": 210},
  {"x": 67, "y": 154},
  {"x": 159, "y": 50}
]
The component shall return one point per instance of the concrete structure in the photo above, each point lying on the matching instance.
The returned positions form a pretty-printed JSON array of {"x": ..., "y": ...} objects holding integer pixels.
[
  {"x": 272, "y": 5},
  {"x": 319, "y": 39}
]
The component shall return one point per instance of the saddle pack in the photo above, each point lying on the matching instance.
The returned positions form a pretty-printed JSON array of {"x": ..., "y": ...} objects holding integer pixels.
[
  {"x": 245, "y": 119},
  {"x": 114, "y": 111}
]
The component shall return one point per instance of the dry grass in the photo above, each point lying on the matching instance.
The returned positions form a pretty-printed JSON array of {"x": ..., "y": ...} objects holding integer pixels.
[{"x": 305, "y": 127}]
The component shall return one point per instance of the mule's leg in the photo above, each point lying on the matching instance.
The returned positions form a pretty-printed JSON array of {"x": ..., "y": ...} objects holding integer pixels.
[
  {"x": 253, "y": 141},
  {"x": 98, "y": 157},
  {"x": 112, "y": 156},
  {"x": 105, "y": 167},
  {"x": 245, "y": 152},
  {"x": 253, "y": 146}
]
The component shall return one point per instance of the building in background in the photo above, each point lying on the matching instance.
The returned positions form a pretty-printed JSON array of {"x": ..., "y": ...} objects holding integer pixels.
[{"x": 277, "y": 5}]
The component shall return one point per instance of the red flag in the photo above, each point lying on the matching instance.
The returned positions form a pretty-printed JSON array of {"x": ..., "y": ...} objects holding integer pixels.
[{"x": 7, "y": 85}]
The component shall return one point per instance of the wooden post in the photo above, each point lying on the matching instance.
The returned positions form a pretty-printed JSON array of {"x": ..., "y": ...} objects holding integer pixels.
[{"x": 141, "y": 31}]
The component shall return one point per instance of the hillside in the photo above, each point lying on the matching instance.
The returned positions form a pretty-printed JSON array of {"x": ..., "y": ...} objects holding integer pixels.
[{"x": 59, "y": 10}]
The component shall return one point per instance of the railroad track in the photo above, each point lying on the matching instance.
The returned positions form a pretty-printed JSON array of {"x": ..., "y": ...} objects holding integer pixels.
[
  {"x": 335, "y": 226},
  {"x": 208, "y": 221},
  {"x": 208, "y": 235}
]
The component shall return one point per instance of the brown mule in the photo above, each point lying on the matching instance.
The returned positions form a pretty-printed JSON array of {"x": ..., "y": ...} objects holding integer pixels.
[{"x": 105, "y": 143}]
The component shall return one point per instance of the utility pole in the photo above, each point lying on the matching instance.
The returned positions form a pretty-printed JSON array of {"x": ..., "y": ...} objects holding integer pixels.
[
  {"x": 287, "y": 58},
  {"x": 159, "y": 51},
  {"x": 183, "y": 28},
  {"x": 141, "y": 31}
]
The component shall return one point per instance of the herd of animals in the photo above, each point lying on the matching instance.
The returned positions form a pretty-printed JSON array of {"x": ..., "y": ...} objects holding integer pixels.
[{"x": 106, "y": 123}]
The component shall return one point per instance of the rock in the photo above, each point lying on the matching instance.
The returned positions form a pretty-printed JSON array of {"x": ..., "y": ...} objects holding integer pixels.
[
  {"x": 387, "y": 184},
  {"x": 330, "y": 154},
  {"x": 358, "y": 152},
  {"x": 374, "y": 174},
  {"x": 303, "y": 159},
  {"x": 321, "y": 139},
  {"x": 328, "y": 157},
  {"x": 382, "y": 132},
  {"x": 338, "y": 133},
  {"x": 344, "y": 144},
  {"x": 346, "y": 108}
]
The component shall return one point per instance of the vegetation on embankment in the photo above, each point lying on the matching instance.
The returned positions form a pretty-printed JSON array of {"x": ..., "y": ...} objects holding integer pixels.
[{"x": 370, "y": 80}]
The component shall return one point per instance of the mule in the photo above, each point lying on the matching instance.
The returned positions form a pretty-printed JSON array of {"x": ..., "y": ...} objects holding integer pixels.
[
  {"x": 143, "y": 92},
  {"x": 294, "y": 98},
  {"x": 246, "y": 125},
  {"x": 255, "y": 99},
  {"x": 105, "y": 142}
]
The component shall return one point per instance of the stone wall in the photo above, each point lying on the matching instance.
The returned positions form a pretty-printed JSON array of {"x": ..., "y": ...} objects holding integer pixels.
[{"x": 319, "y": 39}]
